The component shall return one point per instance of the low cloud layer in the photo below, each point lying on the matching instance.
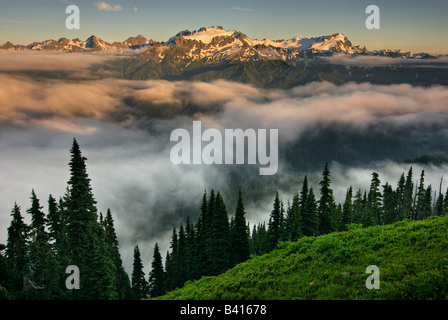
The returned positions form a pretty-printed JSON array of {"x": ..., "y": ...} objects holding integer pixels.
[
  {"x": 50, "y": 61},
  {"x": 123, "y": 127},
  {"x": 381, "y": 61}
]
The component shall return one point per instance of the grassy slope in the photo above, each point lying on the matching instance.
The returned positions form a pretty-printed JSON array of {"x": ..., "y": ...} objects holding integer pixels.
[{"x": 412, "y": 258}]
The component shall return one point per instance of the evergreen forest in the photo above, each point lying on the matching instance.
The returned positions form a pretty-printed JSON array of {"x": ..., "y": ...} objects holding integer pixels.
[{"x": 36, "y": 257}]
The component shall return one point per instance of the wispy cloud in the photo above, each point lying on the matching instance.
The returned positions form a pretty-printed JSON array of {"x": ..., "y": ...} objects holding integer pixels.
[
  {"x": 103, "y": 6},
  {"x": 375, "y": 61},
  {"x": 242, "y": 9}
]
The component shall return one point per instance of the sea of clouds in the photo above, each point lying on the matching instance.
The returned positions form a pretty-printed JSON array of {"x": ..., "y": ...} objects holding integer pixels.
[{"x": 128, "y": 153}]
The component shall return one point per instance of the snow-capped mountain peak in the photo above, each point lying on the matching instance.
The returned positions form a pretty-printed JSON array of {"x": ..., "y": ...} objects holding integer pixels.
[
  {"x": 206, "y": 35},
  {"x": 337, "y": 42},
  {"x": 216, "y": 44}
]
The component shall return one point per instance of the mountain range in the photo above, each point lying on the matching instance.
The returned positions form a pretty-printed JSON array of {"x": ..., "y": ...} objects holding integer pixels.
[
  {"x": 214, "y": 53},
  {"x": 93, "y": 43},
  {"x": 217, "y": 44}
]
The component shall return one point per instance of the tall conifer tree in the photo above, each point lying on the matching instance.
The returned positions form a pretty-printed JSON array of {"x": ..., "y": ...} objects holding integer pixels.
[
  {"x": 37, "y": 216},
  {"x": 407, "y": 207},
  {"x": 423, "y": 200},
  {"x": 374, "y": 200},
  {"x": 358, "y": 206},
  {"x": 86, "y": 245},
  {"x": 438, "y": 208},
  {"x": 181, "y": 258},
  {"x": 172, "y": 263},
  {"x": 191, "y": 251},
  {"x": 327, "y": 206},
  {"x": 17, "y": 250},
  {"x": 293, "y": 220},
  {"x": 54, "y": 222},
  {"x": 156, "y": 278},
  {"x": 310, "y": 215},
  {"x": 138, "y": 283},
  {"x": 42, "y": 260},
  {"x": 390, "y": 203},
  {"x": 274, "y": 226},
  {"x": 122, "y": 282},
  {"x": 218, "y": 240},
  {"x": 445, "y": 204},
  {"x": 400, "y": 198},
  {"x": 347, "y": 208},
  {"x": 239, "y": 235},
  {"x": 201, "y": 237}
]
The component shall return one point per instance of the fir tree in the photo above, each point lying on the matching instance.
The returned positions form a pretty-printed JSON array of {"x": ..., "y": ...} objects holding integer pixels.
[
  {"x": 338, "y": 226},
  {"x": 400, "y": 198},
  {"x": 191, "y": 251},
  {"x": 293, "y": 221},
  {"x": 327, "y": 206},
  {"x": 438, "y": 208},
  {"x": 122, "y": 280},
  {"x": 54, "y": 222},
  {"x": 209, "y": 213},
  {"x": 207, "y": 233},
  {"x": 100, "y": 276},
  {"x": 274, "y": 226},
  {"x": 282, "y": 222},
  {"x": 42, "y": 260},
  {"x": 310, "y": 215},
  {"x": 420, "y": 207},
  {"x": 37, "y": 216},
  {"x": 367, "y": 215},
  {"x": 445, "y": 204},
  {"x": 138, "y": 283},
  {"x": 358, "y": 206},
  {"x": 253, "y": 244},
  {"x": 157, "y": 275},
  {"x": 16, "y": 250},
  {"x": 374, "y": 200},
  {"x": 407, "y": 203},
  {"x": 427, "y": 204},
  {"x": 304, "y": 193},
  {"x": 201, "y": 237},
  {"x": 347, "y": 208},
  {"x": 389, "y": 204},
  {"x": 85, "y": 244},
  {"x": 239, "y": 236},
  {"x": 46, "y": 269},
  {"x": 181, "y": 258},
  {"x": 259, "y": 242},
  {"x": 218, "y": 241},
  {"x": 171, "y": 264}
]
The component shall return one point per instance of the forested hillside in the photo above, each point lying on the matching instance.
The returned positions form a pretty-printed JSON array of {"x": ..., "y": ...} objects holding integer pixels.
[
  {"x": 34, "y": 261},
  {"x": 411, "y": 257},
  {"x": 311, "y": 213}
]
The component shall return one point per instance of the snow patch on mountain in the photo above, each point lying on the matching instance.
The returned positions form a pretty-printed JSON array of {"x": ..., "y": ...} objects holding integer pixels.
[
  {"x": 295, "y": 43},
  {"x": 206, "y": 35}
]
